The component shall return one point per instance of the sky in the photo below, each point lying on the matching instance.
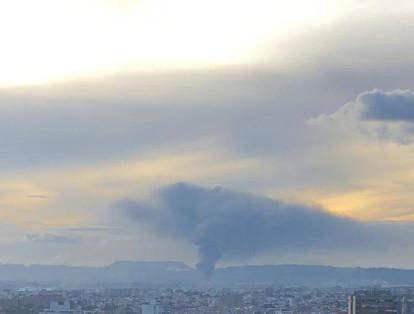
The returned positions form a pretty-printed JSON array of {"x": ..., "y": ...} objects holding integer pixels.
[{"x": 115, "y": 113}]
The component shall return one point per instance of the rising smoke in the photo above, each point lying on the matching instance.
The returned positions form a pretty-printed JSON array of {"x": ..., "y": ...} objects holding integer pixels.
[{"x": 229, "y": 225}]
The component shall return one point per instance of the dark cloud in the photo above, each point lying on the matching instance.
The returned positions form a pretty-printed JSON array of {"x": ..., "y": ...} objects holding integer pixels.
[
  {"x": 397, "y": 105},
  {"x": 376, "y": 113},
  {"x": 229, "y": 225},
  {"x": 375, "y": 105}
]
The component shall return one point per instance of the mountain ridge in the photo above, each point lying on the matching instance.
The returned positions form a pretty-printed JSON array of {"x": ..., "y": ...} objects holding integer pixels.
[{"x": 179, "y": 273}]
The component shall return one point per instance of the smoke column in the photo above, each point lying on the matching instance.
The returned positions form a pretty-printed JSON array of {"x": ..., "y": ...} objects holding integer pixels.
[{"x": 234, "y": 226}]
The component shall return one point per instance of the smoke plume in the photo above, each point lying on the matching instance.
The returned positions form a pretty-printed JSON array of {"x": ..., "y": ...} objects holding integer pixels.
[{"x": 227, "y": 225}]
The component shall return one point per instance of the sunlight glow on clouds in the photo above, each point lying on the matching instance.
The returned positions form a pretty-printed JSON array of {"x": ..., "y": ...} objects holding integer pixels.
[{"x": 47, "y": 40}]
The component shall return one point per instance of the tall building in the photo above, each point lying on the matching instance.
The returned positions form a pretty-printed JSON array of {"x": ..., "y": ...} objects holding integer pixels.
[{"x": 376, "y": 301}]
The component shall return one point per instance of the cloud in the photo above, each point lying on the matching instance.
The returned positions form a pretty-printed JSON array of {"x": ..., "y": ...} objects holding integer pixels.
[
  {"x": 245, "y": 109},
  {"x": 377, "y": 105},
  {"x": 238, "y": 109},
  {"x": 45, "y": 238},
  {"x": 397, "y": 105},
  {"x": 384, "y": 115},
  {"x": 38, "y": 196},
  {"x": 88, "y": 142},
  {"x": 227, "y": 225}
]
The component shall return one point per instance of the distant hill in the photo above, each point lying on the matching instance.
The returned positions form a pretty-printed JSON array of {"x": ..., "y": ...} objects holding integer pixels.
[
  {"x": 294, "y": 275},
  {"x": 178, "y": 273},
  {"x": 118, "y": 272}
]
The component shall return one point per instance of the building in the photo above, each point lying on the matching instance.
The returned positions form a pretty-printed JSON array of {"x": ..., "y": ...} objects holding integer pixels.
[
  {"x": 376, "y": 301},
  {"x": 231, "y": 300},
  {"x": 60, "y": 307},
  {"x": 151, "y": 309}
]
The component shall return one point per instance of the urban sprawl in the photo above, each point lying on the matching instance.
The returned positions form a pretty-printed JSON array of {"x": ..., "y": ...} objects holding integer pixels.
[{"x": 240, "y": 300}]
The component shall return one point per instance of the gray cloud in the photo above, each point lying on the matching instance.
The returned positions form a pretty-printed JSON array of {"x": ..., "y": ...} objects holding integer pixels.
[
  {"x": 37, "y": 196},
  {"x": 397, "y": 105},
  {"x": 226, "y": 225},
  {"x": 383, "y": 115},
  {"x": 45, "y": 238},
  {"x": 107, "y": 230},
  {"x": 378, "y": 105},
  {"x": 245, "y": 109}
]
